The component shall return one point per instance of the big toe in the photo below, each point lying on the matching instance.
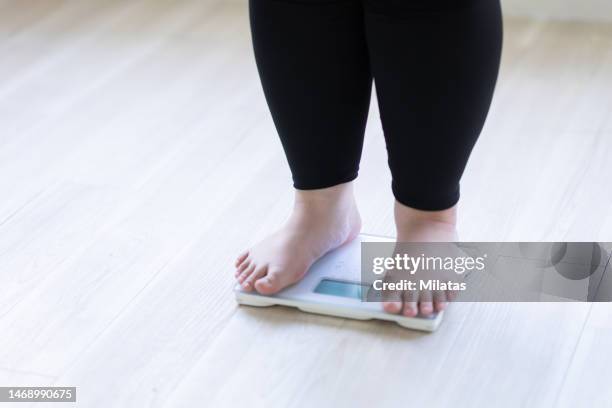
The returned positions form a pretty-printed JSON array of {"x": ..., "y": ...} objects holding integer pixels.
[
  {"x": 392, "y": 302},
  {"x": 392, "y": 306},
  {"x": 269, "y": 284},
  {"x": 273, "y": 282}
]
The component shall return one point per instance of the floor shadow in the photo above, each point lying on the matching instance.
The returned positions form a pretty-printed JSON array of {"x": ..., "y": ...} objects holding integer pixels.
[{"x": 282, "y": 316}]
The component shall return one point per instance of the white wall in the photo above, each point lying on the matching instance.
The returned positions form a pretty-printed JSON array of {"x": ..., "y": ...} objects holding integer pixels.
[{"x": 600, "y": 10}]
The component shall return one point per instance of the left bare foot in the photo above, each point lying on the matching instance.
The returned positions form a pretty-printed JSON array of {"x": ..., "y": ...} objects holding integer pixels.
[{"x": 422, "y": 226}]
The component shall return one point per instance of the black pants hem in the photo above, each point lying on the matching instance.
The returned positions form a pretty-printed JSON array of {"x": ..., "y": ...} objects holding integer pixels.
[
  {"x": 425, "y": 202},
  {"x": 324, "y": 182}
]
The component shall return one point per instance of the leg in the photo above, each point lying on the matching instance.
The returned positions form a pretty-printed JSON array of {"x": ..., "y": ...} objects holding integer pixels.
[
  {"x": 435, "y": 64},
  {"x": 313, "y": 64}
]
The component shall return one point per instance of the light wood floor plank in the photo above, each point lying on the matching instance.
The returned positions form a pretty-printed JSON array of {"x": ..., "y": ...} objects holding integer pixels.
[
  {"x": 137, "y": 158},
  {"x": 186, "y": 313},
  {"x": 587, "y": 381},
  {"x": 287, "y": 358}
]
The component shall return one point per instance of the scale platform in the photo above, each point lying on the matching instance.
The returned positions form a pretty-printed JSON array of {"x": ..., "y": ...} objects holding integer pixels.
[{"x": 333, "y": 287}]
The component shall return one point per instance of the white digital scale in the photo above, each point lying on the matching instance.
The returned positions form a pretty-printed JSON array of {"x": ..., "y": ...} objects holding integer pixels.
[{"x": 333, "y": 287}]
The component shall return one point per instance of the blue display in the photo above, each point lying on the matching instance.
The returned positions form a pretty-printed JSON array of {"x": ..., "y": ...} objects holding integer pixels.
[{"x": 340, "y": 288}]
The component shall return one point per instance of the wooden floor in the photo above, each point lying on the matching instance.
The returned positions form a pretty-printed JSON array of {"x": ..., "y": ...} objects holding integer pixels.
[{"x": 137, "y": 157}]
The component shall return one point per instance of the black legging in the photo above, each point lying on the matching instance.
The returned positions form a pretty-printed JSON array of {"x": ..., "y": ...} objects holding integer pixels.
[{"x": 434, "y": 62}]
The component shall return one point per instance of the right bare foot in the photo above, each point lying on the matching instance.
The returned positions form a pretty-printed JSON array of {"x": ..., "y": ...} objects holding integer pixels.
[
  {"x": 321, "y": 220},
  {"x": 422, "y": 226}
]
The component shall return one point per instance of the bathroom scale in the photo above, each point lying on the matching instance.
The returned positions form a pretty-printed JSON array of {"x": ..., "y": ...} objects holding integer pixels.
[{"x": 333, "y": 287}]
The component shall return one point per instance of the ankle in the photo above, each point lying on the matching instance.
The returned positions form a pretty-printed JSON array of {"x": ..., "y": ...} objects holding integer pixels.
[
  {"x": 410, "y": 221},
  {"x": 336, "y": 197},
  {"x": 408, "y": 215}
]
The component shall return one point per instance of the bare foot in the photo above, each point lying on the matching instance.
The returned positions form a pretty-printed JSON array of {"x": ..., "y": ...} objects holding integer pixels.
[
  {"x": 321, "y": 220},
  {"x": 422, "y": 226}
]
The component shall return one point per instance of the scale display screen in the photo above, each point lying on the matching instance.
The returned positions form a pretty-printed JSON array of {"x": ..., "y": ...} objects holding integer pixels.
[{"x": 341, "y": 288}]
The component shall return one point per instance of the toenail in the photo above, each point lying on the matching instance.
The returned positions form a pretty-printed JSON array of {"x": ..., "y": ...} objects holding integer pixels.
[{"x": 390, "y": 307}]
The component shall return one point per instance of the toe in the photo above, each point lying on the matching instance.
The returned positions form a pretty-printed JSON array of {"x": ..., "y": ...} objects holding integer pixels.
[
  {"x": 426, "y": 308},
  {"x": 268, "y": 284},
  {"x": 410, "y": 308},
  {"x": 246, "y": 271},
  {"x": 392, "y": 302},
  {"x": 425, "y": 304},
  {"x": 392, "y": 307},
  {"x": 242, "y": 267},
  {"x": 257, "y": 273},
  {"x": 274, "y": 281},
  {"x": 439, "y": 301},
  {"x": 244, "y": 278},
  {"x": 392, "y": 299},
  {"x": 241, "y": 258}
]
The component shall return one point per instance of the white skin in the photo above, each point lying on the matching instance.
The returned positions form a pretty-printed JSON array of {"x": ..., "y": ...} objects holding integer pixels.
[{"x": 321, "y": 221}]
